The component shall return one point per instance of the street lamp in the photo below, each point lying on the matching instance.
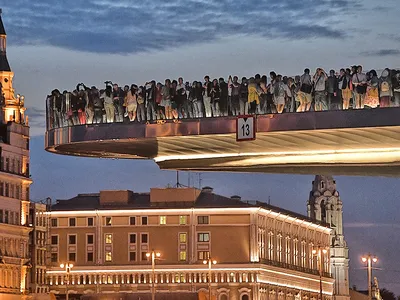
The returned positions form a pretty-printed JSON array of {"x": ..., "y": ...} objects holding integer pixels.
[
  {"x": 68, "y": 267},
  {"x": 369, "y": 259},
  {"x": 210, "y": 262},
  {"x": 154, "y": 255},
  {"x": 318, "y": 252}
]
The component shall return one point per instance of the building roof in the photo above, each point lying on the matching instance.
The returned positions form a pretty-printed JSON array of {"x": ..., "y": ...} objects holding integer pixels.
[
  {"x": 206, "y": 199},
  {"x": 4, "y": 65}
]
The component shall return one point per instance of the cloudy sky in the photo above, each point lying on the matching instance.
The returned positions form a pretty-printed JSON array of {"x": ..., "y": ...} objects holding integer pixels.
[{"x": 56, "y": 44}]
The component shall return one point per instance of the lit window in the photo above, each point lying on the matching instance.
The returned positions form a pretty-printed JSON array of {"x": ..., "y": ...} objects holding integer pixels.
[
  {"x": 163, "y": 220},
  {"x": 203, "y": 237},
  {"x": 108, "y": 221},
  {"x": 182, "y": 220},
  {"x": 108, "y": 238},
  {"x": 182, "y": 255},
  {"x": 202, "y": 255},
  {"x": 182, "y": 237},
  {"x": 132, "y": 221},
  {"x": 202, "y": 220},
  {"x": 90, "y": 221},
  {"x": 108, "y": 256},
  {"x": 72, "y": 222},
  {"x": 144, "y": 220}
]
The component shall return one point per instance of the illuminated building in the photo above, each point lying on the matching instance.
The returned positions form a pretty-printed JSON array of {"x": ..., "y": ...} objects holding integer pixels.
[
  {"x": 14, "y": 185},
  {"x": 261, "y": 251}
]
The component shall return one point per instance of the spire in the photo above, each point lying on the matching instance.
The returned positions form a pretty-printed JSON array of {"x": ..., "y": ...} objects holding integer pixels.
[{"x": 4, "y": 65}]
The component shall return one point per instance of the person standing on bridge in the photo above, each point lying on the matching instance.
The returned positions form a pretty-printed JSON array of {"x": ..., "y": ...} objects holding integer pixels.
[
  {"x": 306, "y": 87},
  {"x": 385, "y": 89},
  {"x": 360, "y": 87},
  {"x": 207, "y": 96},
  {"x": 319, "y": 79}
]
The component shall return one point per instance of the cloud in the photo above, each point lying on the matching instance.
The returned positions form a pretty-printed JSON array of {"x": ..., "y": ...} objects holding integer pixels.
[
  {"x": 382, "y": 52},
  {"x": 126, "y": 26},
  {"x": 370, "y": 225}
]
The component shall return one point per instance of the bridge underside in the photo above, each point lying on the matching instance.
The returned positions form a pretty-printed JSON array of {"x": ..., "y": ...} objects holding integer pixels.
[{"x": 339, "y": 143}]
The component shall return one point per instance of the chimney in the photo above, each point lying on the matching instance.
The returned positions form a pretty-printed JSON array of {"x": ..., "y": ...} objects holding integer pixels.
[
  {"x": 115, "y": 197},
  {"x": 158, "y": 195},
  {"x": 207, "y": 189},
  {"x": 236, "y": 197}
]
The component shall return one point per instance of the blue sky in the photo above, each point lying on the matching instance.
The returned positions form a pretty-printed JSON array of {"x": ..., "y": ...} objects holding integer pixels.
[{"x": 56, "y": 44}]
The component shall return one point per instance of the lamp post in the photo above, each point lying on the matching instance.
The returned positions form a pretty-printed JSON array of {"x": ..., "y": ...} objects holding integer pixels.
[
  {"x": 68, "y": 267},
  {"x": 210, "y": 262},
  {"x": 369, "y": 259},
  {"x": 318, "y": 252},
  {"x": 154, "y": 255}
]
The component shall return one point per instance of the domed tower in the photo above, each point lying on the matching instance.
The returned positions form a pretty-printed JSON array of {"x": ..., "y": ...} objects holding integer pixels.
[
  {"x": 12, "y": 105},
  {"x": 325, "y": 205}
]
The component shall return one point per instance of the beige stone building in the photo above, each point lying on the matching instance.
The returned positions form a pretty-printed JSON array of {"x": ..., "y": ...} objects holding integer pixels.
[
  {"x": 262, "y": 252},
  {"x": 14, "y": 184}
]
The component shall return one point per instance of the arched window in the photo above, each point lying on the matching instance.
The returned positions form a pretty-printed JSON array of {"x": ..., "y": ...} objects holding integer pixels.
[
  {"x": 223, "y": 297},
  {"x": 245, "y": 297},
  {"x": 323, "y": 211}
]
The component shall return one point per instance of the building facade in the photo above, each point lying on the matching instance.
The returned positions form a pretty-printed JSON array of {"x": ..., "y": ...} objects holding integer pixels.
[
  {"x": 261, "y": 251},
  {"x": 14, "y": 184},
  {"x": 325, "y": 205}
]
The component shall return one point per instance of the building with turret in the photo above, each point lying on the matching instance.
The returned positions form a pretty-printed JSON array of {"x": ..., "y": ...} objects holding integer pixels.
[
  {"x": 14, "y": 184},
  {"x": 324, "y": 205}
]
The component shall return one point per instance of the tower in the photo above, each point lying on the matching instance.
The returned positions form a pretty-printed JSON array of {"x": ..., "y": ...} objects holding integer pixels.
[
  {"x": 325, "y": 205},
  {"x": 15, "y": 181},
  {"x": 12, "y": 105}
]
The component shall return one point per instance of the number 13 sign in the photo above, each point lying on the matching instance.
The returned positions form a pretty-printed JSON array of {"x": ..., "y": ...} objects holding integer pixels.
[{"x": 245, "y": 128}]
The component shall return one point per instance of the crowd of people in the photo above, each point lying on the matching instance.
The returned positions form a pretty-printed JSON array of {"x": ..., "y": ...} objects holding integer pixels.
[{"x": 176, "y": 99}]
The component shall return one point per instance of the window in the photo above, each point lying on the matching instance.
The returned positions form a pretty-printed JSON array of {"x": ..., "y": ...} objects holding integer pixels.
[
  {"x": 54, "y": 257},
  {"x": 89, "y": 256},
  {"x": 132, "y": 238},
  {"x": 182, "y": 255},
  {"x": 7, "y": 190},
  {"x": 54, "y": 222},
  {"x": 132, "y": 256},
  {"x": 145, "y": 238},
  {"x": 144, "y": 257},
  {"x": 18, "y": 191},
  {"x": 287, "y": 248},
  {"x": 1, "y": 216},
  {"x": 203, "y": 237},
  {"x": 182, "y": 220},
  {"x": 144, "y": 220},
  {"x": 72, "y": 239},
  {"x": 108, "y": 238},
  {"x": 132, "y": 221},
  {"x": 108, "y": 256},
  {"x": 72, "y": 222},
  {"x": 303, "y": 254},
  {"x": 108, "y": 221},
  {"x": 163, "y": 220},
  {"x": 90, "y": 221},
  {"x": 279, "y": 247},
  {"x": 72, "y": 256},
  {"x": 202, "y": 220},
  {"x": 54, "y": 239},
  {"x": 182, "y": 237},
  {"x": 202, "y": 255},
  {"x": 90, "y": 239}
]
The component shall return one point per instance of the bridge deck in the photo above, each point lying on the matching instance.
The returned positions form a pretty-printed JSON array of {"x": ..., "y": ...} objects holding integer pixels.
[{"x": 354, "y": 142}]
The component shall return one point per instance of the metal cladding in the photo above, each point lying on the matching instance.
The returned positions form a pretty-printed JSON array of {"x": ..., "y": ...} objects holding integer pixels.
[{"x": 354, "y": 142}]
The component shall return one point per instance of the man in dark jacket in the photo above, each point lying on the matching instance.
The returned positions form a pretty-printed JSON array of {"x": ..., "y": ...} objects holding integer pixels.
[
  {"x": 223, "y": 101},
  {"x": 150, "y": 100},
  {"x": 332, "y": 87}
]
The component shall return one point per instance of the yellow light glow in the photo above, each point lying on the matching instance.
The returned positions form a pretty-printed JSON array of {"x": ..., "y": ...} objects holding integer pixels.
[
  {"x": 147, "y": 254},
  {"x": 375, "y": 259},
  {"x": 324, "y": 251},
  {"x": 204, "y": 262},
  {"x": 62, "y": 265},
  {"x": 314, "y": 252},
  {"x": 158, "y": 254},
  {"x": 214, "y": 262},
  {"x": 364, "y": 259}
]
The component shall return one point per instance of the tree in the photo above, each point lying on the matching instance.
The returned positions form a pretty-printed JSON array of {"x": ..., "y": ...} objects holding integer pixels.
[{"x": 388, "y": 295}]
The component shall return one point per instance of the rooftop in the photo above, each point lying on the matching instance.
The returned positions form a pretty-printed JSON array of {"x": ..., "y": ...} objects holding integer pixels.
[{"x": 136, "y": 201}]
